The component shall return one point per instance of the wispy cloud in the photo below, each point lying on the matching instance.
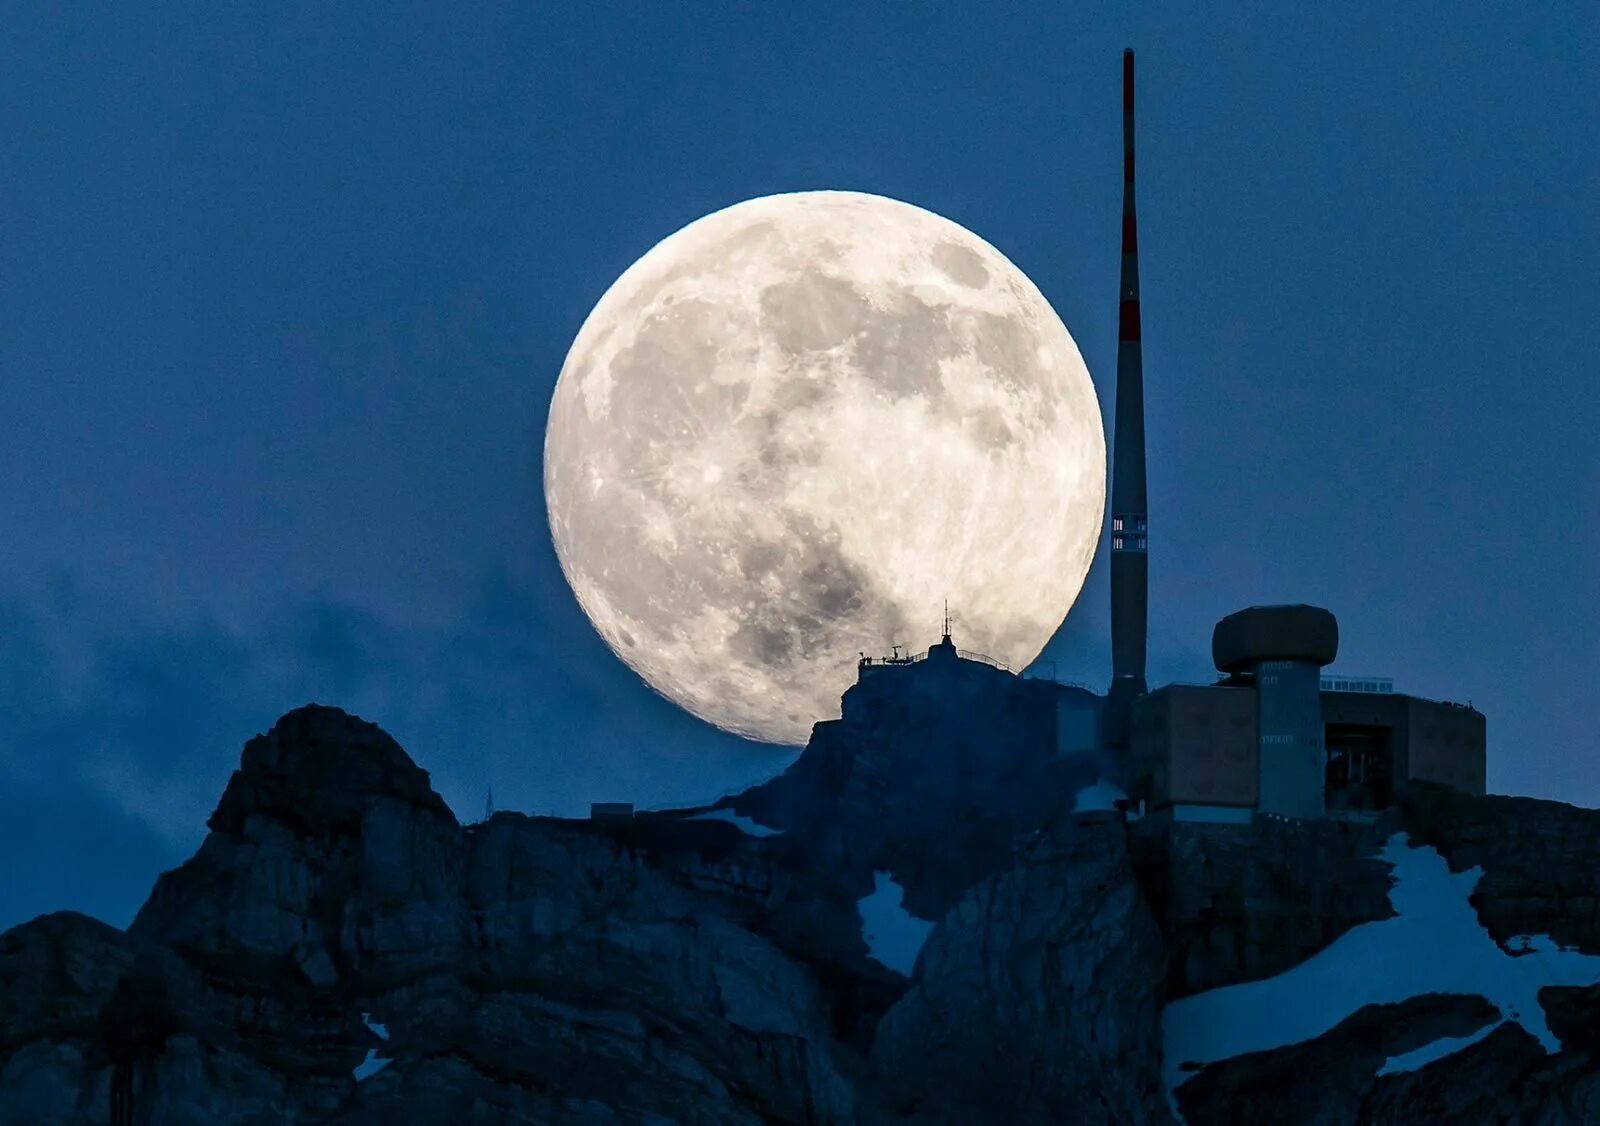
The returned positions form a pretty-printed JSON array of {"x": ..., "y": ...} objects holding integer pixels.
[{"x": 118, "y": 735}]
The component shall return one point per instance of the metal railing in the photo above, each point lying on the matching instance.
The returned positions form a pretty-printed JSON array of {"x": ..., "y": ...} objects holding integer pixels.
[
  {"x": 973, "y": 655},
  {"x": 914, "y": 658},
  {"x": 895, "y": 660}
]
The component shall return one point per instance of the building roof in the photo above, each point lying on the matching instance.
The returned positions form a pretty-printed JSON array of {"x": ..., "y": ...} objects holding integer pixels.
[{"x": 1275, "y": 633}]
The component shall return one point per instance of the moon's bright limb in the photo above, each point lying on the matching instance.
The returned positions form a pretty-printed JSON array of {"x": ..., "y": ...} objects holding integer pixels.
[{"x": 793, "y": 428}]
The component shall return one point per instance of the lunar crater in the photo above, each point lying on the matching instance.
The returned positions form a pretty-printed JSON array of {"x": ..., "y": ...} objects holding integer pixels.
[
  {"x": 812, "y": 313},
  {"x": 960, "y": 265}
]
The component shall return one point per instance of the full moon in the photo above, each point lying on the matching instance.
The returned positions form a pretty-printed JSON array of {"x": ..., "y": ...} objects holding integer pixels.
[{"x": 793, "y": 429}]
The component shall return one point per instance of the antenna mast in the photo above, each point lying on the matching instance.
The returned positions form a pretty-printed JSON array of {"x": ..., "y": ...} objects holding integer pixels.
[{"x": 1129, "y": 514}]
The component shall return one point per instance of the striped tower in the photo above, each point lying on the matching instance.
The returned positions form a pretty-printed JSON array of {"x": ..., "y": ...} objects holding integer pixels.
[{"x": 1129, "y": 528}]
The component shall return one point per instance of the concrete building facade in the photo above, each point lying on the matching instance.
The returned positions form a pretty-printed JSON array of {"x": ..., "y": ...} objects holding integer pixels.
[
  {"x": 1268, "y": 739},
  {"x": 1193, "y": 747}
]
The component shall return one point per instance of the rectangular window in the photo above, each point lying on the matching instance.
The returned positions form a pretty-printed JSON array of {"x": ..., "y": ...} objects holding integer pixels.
[
  {"x": 1116, "y": 523},
  {"x": 1116, "y": 543}
]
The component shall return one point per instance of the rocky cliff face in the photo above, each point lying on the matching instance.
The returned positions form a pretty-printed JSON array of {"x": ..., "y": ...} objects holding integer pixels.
[
  {"x": 931, "y": 774},
  {"x": 1038, "y": 994},
  {"x": 341, "y": 950},
  {"x": 1241, "y": 902},
  {"x": 1539, "y": 861}
]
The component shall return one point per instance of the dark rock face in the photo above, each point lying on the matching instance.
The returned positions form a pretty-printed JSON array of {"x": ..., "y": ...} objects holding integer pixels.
[
  {"x": 525, "y": 970},
  {"x": 1538, "y": 860},
  {"x": 329, "y": 855},
  {"x": 1269, "y": 1088},
  {"x": 1241, "y": 902},
  {"x": 931, "y": 774},
  {"x": 318, "y": 771},
  {"x": 536, "y": 969},
  {"x": 660, "y": 969},
  {"x": 1573, "y": 1014},
  {"x": 1506, "y": 1077},
  {"x": 1038, "y": 995},
  {"x": 56, "y": 975}
]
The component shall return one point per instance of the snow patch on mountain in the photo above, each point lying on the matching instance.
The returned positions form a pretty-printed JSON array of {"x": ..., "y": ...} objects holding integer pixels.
[
  {"x": 1435, "y": 944},
  {"x": 1100, "y": 796},
  {"x": 373, "y": 1063},
  {"x": 743, "y": 824},
  {"x": 894, "y": 935}
]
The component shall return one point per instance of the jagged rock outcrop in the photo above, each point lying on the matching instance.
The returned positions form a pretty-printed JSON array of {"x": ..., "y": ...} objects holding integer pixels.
[
  {"x": 1236, "y": 905},
  {"x": 57, "y": 974},
  {"x": 526, "y": 970},
  {"x": 328, "y": 843},
  {"x": 1505, "y": 1077},
  {"x": 931, "y": 774},
  {"x": 1269, "y": 1088},
  {"x": 1241, "y": 902},
  {"x": 1038, "y": 996},
  {"x": 1337, "y": 1078},
  {"x": 341, "y": 950},
  {"x": 1538, "y": 860}
]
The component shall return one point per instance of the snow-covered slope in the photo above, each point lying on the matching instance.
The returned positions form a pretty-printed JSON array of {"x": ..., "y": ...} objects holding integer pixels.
[{"x": 1435, "y": 944}]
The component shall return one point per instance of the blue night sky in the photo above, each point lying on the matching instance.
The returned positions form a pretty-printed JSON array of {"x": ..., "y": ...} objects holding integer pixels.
[{"x": 284, "y": 294}]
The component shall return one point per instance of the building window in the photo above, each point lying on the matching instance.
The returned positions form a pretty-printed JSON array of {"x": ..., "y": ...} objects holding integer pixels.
[
  {"x": 1116, "y": 523},
  {"x": 1116, "y": 543}
]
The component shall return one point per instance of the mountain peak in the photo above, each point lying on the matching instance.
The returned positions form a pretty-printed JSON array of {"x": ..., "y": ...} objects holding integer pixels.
[{"x": 316, "y": 768}]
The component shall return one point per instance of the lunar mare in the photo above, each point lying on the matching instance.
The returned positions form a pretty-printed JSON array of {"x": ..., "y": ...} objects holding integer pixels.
[{"x": 794, "y": 428}]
